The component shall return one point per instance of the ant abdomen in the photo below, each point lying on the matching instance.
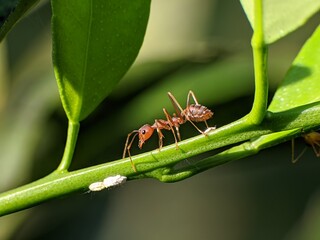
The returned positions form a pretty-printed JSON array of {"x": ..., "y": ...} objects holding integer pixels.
[{"x": 198, "y": 113}]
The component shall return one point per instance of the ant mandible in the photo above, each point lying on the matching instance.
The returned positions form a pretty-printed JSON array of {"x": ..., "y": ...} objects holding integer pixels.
[{"x": 192, "y": 113}]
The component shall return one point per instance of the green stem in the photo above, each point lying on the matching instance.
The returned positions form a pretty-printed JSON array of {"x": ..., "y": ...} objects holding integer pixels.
[
  {"x": 260, "y": 58},
  {"x": 73, "y": 130},
  {"x": 235, "y": 153},
  {"x": 158, "y": 164}
]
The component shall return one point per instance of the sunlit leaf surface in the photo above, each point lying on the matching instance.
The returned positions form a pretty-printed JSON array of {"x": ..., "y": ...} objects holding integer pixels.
[
  {"x": 94, "y": 44},
  {"x": 302, "y": 82},
  {"x": 282, "y": 17}
]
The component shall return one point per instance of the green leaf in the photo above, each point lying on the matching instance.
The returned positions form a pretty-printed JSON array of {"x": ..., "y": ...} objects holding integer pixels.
[
  {"x": 94, "y": 44},
  {"x": 301, "y": 85},
  {"x": 282, "y": 16},
  {"x": 12, "y": 12}
]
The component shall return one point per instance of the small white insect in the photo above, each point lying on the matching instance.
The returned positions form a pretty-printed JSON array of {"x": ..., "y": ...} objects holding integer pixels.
[
  {"x": 96, "y": 186},
  {"x": 114, "y": 181},
  {"x": 108, "y": 182}
]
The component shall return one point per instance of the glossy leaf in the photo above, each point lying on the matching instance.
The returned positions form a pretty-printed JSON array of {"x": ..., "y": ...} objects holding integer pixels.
[
  {"x": 302, "y": 83},
  {"x": 94, "y": 44},
  {"x": 282, "y": 17},
  {"x": 12, "y": 12}
]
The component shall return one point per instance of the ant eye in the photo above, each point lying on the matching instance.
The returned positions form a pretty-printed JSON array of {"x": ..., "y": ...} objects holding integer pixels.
[{"x": 143, "y": 132}]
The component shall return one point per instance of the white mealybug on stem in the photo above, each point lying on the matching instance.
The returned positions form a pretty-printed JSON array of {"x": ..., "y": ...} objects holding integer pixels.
[
  {"x": 108, "y": 182},
  {"x": 96, "y": 186},
  {"x": 114, "y": 181}
]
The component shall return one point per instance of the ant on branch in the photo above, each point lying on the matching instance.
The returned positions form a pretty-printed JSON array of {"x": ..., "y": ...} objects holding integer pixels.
[
  {"x": 312, "y": 139},
  {"x": 192, "y": 113}
]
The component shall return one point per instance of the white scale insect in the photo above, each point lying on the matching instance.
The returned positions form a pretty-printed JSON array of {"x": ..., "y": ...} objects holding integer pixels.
[{"x": 108, "y": 182}]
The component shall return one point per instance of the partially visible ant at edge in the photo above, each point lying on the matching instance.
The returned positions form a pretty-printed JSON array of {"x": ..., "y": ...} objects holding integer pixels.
[
  {"x": 312, "y": 139},
  {"x": 192, "y": 113}
]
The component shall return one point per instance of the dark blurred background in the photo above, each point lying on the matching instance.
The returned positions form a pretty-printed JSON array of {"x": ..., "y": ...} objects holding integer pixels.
[{"x": 190, "y": 44}]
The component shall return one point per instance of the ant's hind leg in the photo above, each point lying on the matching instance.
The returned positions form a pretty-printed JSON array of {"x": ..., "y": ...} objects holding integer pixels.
[
  {"x": 195, "y": 126},
  {"x": 175, "y": 104},
  {"x": 208, "y": 128},
  {"x": 193, "y": 97}
]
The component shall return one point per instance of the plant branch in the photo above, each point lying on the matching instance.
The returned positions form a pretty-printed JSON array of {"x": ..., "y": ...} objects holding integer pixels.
[
  {"x": 260, "y": 58},
  {"x": 235, "y": 153},
  {"x": 158, "y": 164},
  {"x": 73, "y": 130}
]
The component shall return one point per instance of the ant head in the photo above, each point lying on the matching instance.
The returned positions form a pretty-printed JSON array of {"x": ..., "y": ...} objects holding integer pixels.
[{"x": 145, "y": 132}]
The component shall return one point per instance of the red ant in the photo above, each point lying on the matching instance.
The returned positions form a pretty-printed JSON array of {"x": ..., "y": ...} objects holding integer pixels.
[
  {"x": 192, "y": 113},
  {"x": 312, "y": 139}
]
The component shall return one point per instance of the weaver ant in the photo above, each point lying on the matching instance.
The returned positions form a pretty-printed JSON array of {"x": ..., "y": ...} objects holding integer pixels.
[
  {"x": 192, "y": 113},
  {"x": 312, "y": 139}
]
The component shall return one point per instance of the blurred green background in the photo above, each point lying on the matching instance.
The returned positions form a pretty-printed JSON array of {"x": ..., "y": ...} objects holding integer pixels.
[{"x": 203, "y": 45}]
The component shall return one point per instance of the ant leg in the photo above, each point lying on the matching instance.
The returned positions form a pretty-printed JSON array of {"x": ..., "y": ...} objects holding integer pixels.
[
  {"x": 132, "y": 164},
  {"x": 179, "y": 111},
  {"x": 294, "y": 160},
  {"x": 200, "y": 131},
  {"x": 313, "y": 139},
  {"x": 160, "y": 135},
  {"x": 193, "y": 97},
  {"x": 128, "y": 146},
  {"x": 208, "y": 128},
  {"x": 316, "y": 151},
  {"x": 171, "y": 124},
  {"x": 206, "y": 124},
  {"x": 178, "y": 133},
  {"x": 188, "y": 104},
  {"x": 175, "y": 104}
]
